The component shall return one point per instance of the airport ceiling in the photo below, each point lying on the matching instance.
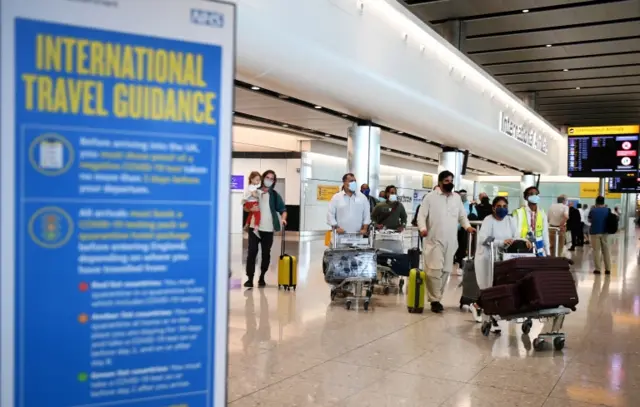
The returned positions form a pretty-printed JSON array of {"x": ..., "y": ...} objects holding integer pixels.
[{"x": 579, "y": 59}]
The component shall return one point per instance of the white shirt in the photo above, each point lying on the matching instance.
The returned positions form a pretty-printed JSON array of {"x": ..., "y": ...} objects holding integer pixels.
[
  {"x": 266, "y": 219},
  {"x": 350, "y": 213},
  {"x": 545, "y": 226},
  {"x": 582, "y": 215},
  {"x": 558, "y": 214},
  {"x": 249, "y": 194},
  {"x": 586, "y": 217},
  {"x": 440, "y": 215},
  {"x": 500, "y": 230}
]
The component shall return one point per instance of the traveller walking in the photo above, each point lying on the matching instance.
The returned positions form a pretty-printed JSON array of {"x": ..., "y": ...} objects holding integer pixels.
[
  {"x": 575, "y": 227},
  {"x": 599, "y": 237},
  {"x": 558, "y": 217},
  {"x": 503, "y": 229},
  {"x": 390, "y": 214},
  {"x": 484, "y": 208},
  {"x": 440, "y": 214},
  {"x": 463, "y": 238},
  {"x": 587, "y": 224},
  {"x": 273, "y": 218},
  {"x": 349, "y": 210},
  {"x": 532, "y": 222},
  {"x": 366, "y": 191}
]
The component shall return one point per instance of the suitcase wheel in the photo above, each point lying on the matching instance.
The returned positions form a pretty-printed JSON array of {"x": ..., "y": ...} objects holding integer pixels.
[
  {"x": 366, "y": 305},
  {"x": 558, "y": 343},
  {"x": 333, "y": 295},
  {"x": 294, "y": 288},
  {"x": 348, "y": 305},
  {"x": 538, "y": 344},
  {"x": 385, "y": 290},
  {"x": 486, "y": 328},
  {"x": 526, "y": 326}
]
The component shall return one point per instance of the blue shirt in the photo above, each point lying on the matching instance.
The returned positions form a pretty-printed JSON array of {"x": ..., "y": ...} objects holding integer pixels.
[
  {"x": 469, "y": 209},
  {"x": 598, "y": 217}
]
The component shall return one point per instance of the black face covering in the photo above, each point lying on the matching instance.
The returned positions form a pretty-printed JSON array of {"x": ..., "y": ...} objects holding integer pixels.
[
  {"x": 447, "y": 187},
  {"x": 485, "y": 200}
]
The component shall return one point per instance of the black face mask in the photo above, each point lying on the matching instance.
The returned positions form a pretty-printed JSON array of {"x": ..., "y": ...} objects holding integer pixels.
[
  {"x": 447, "y": 187},
  {"x": 485, "y": 200}
]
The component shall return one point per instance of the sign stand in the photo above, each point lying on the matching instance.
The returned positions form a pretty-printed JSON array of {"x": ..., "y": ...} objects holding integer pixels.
[{"x": 116, "y": 153}]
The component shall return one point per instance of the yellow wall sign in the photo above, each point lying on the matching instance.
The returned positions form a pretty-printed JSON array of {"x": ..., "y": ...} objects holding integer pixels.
[
  {"x": 603, "y": 130},
  {"x": 589, "y": 190},
  {"x": 503, "y": 193},
  {"x": 326, "y": 192},
  {"x": 427, "y": 181}
]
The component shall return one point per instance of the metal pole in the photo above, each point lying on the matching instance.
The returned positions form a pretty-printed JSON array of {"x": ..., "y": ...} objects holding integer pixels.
[
  {"x": 556, "y": 241},
  {"x": 602, "y": 186}
]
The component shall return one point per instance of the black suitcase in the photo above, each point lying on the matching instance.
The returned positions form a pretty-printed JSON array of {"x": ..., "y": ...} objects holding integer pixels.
[
  {"x": 470, "y": 289},
  {"x": 415, "y": 255},
  {"x": 500, "y": 300},
  {"x": 512, "y": 271},
  {"x": 399, "y": 263}
]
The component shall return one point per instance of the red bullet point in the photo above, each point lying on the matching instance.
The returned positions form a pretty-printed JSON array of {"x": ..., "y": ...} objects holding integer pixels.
[{"x": 83, "y": 287}]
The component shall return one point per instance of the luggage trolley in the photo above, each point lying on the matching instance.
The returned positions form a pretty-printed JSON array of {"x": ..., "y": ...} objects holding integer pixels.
[
  {"x": 556, "y": 315},
  {"x": 393, "y": 261},
  {"x": 350, "y": 268}
]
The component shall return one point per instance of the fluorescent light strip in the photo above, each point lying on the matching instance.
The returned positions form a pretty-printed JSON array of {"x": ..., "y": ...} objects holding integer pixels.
[{"x": 422, "y": 34}]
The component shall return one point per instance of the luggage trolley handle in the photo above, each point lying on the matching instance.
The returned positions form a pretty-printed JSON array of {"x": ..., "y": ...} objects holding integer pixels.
[{"x": 334, "y": 245}]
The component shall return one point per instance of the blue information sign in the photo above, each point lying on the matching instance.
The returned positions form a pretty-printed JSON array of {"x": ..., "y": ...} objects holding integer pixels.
[{"x": 117, "y": 188}]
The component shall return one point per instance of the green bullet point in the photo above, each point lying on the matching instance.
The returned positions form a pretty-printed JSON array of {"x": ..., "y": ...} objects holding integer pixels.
[{"x": 82, "y": 377}]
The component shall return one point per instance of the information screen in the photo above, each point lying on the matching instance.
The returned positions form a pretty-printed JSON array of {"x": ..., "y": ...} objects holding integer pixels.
[
  {"x": 607, "y": 151},
  {"x": 625, "y": 184}
]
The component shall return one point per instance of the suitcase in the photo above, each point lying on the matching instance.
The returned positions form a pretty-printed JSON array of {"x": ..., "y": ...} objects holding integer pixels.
[
  {"x": 287, "y": 269},
  {"x": 398, "y": 262},
  {"x": 415, "y": 255},
  {"x": 512, "y": 271},
  {"x": 352, "y": 262},
  {"x": 549, "y": 289},
  {"x": 500, "y": 300},
  {"x": 470, "y": 289},
  {"x": 417, "y": 287}
]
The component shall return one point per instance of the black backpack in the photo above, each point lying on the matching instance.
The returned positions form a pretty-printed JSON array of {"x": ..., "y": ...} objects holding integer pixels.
[{"x": 611, "y": 226}]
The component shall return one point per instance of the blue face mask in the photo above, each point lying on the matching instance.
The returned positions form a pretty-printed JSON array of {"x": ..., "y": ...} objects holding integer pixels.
[
  {"x": 534, "y": 199},
  {"x": 502, "y": 212},
  {"x": 353, "y": 186},
  {"x": 393, "y": 198},
  {"x": 366, "y": 192}
]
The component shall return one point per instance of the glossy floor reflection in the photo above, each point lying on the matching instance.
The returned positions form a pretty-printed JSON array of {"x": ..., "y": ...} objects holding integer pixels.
[{"x": 296, "y": 349}]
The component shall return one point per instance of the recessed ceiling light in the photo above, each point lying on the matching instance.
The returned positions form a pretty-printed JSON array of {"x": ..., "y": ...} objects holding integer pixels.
[
  {"x": 525, "y": 10},
  {"x": 344, "y": 115},
  {"x": 565, "y": 70},
  {"x": 255, "y": 88},
  {"x": 283, "y": 96},
  {"x": 318, "y": 107},
  {"x": 549, "y": 45},
  {"x": 401, "y": 132},
  {"x": 285, "y": 125},
  {"x": 578, "y": 87},
  {"x": 327, "y": 135}
]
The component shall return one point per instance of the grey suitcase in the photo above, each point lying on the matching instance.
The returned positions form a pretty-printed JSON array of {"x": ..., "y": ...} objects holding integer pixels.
[{"x": 470, "y": 289}]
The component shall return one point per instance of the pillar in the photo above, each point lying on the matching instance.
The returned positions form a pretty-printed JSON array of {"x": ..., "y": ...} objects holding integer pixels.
[
  {"x": 527, "y": 180},
  {"x": 452, "y": 159},
  {"x": 453, "y": 31},
  {"x": 530, "y": 99},
  {"x": 602, "y": 186},
  {"x": 363, "y": 154}
]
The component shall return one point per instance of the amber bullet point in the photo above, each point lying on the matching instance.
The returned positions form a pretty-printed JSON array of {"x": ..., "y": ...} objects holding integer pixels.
[
  {"x": 83, "y": 287},
  {"x": 83, "y": 318}
]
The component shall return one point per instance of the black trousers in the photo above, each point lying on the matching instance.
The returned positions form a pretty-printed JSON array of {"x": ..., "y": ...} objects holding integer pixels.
[
  {"x": 265, "y": 241},
  {"x": 577, "y": 236},
  {"x": 461, "y": 253}
]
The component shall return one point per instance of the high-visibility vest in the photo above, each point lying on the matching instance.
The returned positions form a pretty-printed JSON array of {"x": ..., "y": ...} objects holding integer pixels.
[{"x": 524, "y": 223}]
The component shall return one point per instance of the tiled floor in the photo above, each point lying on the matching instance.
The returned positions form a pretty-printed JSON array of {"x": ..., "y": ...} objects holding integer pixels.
[{"x": 296, "y": 349}]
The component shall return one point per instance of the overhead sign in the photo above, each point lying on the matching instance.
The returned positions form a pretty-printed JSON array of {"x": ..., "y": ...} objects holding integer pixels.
[
  {"x": 523, "y": 133},
  {"x": 603, "y": 130},
  {"x": 116, "y": 153},
  {"x": 590, "y": 190},
  {"x": 326, "y": 192}
]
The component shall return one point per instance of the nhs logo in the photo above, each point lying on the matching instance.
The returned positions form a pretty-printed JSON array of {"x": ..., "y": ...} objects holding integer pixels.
[{"x": 205, "y": 17}]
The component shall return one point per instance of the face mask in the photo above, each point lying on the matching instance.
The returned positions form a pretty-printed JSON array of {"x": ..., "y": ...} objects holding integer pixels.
[
  {"x": 534, "y": 199},
  {"x": 502, "y": 212},
  {"x": 268, "y": 183},
  {"x": 253, "y": 188},
  {"x": 353, "y": 186},
  {"x": 485, "y": 200},
  {"x": 464, "y": 198},
  {"x": 447, "y": 188},
  {"x": 393, "y": 198},
  {"x": 366, "y": 192}
]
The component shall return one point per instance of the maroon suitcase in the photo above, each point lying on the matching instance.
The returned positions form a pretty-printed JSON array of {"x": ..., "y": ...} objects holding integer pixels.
[
  {"x": 512, "y": 271},
  {"x": 549, "y": 289},
  {"x": 500, "y": 300}
]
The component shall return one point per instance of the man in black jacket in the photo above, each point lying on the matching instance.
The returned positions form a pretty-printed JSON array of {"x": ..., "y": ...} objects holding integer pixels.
[
  {"x": 574, "y": 224},
  {"x": 484, "y": 208}
]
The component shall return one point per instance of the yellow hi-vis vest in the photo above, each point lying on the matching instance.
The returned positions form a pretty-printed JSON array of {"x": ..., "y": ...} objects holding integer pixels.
[{"x": 524, "y": 223}]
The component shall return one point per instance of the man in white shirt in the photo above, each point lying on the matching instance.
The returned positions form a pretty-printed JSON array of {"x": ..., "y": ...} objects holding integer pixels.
[
  {"x": 532, "y": 223},
  {"x": 349, "y": 210},
  {"x": 558, "y": 216},
  {"x": 440, "y": 213}
]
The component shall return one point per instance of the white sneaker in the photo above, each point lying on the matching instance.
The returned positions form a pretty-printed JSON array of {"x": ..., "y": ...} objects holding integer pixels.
[
  {"x": 476, "y": 312},
  {"x": 495, "y": 328}
]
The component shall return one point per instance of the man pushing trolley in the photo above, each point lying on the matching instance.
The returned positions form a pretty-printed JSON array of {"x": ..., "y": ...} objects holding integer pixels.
[{"x": 440, "y": 214}]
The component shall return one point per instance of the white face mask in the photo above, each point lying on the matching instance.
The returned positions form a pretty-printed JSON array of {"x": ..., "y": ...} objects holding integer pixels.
[
  {"x": 268, "y": 183},
  {"x": 393, "y": 198}
]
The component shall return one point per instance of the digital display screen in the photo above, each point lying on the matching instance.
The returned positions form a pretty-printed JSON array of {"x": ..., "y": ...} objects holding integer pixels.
[
  {"x": 602, "y": 155},
  {"x": 625, "y": 184}
]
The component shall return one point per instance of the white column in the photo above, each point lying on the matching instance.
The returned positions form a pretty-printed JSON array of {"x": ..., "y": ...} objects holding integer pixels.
[
  {"x": 363, "y": 155},
  {"x": 452, "y": 160},
  {"x": 527, "y": 180}
]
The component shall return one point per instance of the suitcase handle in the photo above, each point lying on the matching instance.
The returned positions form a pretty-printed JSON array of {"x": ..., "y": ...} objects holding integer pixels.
[{"x": 283, "y": 241}]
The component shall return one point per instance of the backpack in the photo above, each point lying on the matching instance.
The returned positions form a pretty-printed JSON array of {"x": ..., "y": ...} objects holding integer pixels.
[{"x": 611, "y": 225}]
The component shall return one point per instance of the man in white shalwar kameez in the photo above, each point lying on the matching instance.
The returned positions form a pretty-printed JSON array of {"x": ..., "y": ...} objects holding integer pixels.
[{"x": 440, "y": 214}]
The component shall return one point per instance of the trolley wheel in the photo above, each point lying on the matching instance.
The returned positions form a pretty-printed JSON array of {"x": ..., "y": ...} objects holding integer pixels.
[
  {"x": 526, "y": 326},
  {"x": 366, "y": 305},
  {"x": 348, "y": 305},
  {"x": 333, "y": 295},
  {"x": 538, "y": 344},
  {"x": 558, "y": 343},
  {"x": 385, "y": 290},
  {"x": 486, "y": 328}
]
